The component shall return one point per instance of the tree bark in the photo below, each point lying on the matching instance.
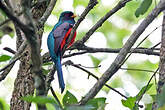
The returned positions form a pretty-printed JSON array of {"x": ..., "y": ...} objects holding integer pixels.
[
  {"x": 24, "y": 82},
  {"x": 161, "y": 64}
]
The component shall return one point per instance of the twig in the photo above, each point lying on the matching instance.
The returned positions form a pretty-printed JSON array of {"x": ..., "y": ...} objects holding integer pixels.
[
  {"x": 10, "y": 63},
  {"x": 69, "y": 62},
  {"x": 9, "y": 50},
  {"x": 4, "y": 22},
  {"x": 17, "y": 56},
  {"x": 133, "y": 69},
  {"x": 9, "y": 66},
  {"x": 138, "y": 100},
  {"x": 140, "y": 44},
  {"x": 155, "y": 45},
  {"x": 50, "y": 78},
  {"x": 55, "y": 96},
  {"x": 5, "y": 72},
  {"x": 98, "y": 66},
  {"x": 123, "y": 53}
]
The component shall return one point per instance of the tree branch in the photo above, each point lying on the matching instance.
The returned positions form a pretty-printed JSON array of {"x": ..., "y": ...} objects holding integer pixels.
[
  {"x": 16, "y": 57},
  {"x": 101, "y": 21},
  {"x": 70, "y": 63},
  {"x": 47, "y": 12},
  {"x": 123, "y": 53},
  {"x": 141, "y": 50}
]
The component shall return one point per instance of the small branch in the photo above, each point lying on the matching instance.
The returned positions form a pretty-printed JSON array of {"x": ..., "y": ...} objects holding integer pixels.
[
  {"x": 140, "y": 44},
  {"x": 9, "y": 66},
  {"x": 4, "y": 22},
  {"x": 47, "y": 12},
  {"x": 5, "y": 72},
  {"x": 55, "y": 96},
  {"x": 155, "y": 45},
  {"x": 123, "y": 53},
  {"x": 133, "y": 69},
  {"x": 50, "y": 78},
  {"x": 137, "y": 101},
  {"x": 10, "y": 63},
  {"x": 70, "y": 63},
  {"x": 101, "y": 21},
  {"x": 9, "y": 50}
]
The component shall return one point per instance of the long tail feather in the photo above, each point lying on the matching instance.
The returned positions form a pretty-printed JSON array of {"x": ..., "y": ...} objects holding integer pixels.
[{"x": 59, "y": 73}]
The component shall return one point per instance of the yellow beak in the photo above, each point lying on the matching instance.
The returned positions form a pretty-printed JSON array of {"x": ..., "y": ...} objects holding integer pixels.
[{"x": 73, "y": 16}]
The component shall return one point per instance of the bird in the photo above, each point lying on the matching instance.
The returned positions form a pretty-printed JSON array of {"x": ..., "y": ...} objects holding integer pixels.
[{"x": 57, "y": 39}]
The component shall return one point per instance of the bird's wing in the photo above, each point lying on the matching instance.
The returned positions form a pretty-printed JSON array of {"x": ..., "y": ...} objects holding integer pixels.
[{"x": 59, "y": 34}]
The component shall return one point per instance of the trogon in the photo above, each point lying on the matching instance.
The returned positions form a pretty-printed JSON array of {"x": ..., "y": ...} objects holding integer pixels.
[{"x": 57, "y": 39}]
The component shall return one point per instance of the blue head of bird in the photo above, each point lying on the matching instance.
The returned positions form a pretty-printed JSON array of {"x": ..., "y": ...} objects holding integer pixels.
[{"x": 67, "y": 16}]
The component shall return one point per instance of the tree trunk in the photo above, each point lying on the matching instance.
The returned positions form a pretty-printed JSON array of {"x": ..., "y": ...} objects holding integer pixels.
[
  {"x": 161, "y": 64},
  {"x": 24, "y": 82}
]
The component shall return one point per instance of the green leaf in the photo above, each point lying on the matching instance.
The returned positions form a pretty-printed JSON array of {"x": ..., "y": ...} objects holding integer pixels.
[
  {"x": 97, "y": 103},
  {"x": 148, "y": 106},
  {"x": 3, "y": 105},
  {"x": 143, "y": 7},
  {"x": 130, "y": 102},
  {"x": 144, "y": 89},
  {"x": 39, "y": 99},
  {"x": 95, "y": 60},
  {"x": 161, "y": 98},
  {"x": 4, "y": 58},
  {"x": 69, "y": 99}
]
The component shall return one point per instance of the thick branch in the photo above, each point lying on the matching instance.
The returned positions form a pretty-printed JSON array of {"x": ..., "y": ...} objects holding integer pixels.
[{"x": 123, "y": 52}]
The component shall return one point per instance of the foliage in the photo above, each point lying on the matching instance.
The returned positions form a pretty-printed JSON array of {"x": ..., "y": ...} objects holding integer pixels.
[
  {"x": 69, "y": 99},
  {"x": 143, "y": 7},
  {"x": 4, "y": 58},
  {"x": 3, "y": 105},
  {"x": 69, "y": 102},
  {"x": 131, "y": 101}
]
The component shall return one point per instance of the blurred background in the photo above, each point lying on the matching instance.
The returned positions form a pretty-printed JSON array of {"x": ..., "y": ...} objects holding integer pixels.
[{"x": 113, "y": 34}]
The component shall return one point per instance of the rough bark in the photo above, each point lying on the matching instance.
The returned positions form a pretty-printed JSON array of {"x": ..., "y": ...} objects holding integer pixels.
[
  {"x": 24, "y": 82},
  {"x": 161, "y": 64}
]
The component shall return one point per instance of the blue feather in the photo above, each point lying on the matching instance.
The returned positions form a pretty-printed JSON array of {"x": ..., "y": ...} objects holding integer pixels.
[{"x": 59, "y": 73}]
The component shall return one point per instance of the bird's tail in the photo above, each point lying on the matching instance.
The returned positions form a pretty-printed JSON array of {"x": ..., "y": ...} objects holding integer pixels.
[{"x": 59, "y": 73}]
